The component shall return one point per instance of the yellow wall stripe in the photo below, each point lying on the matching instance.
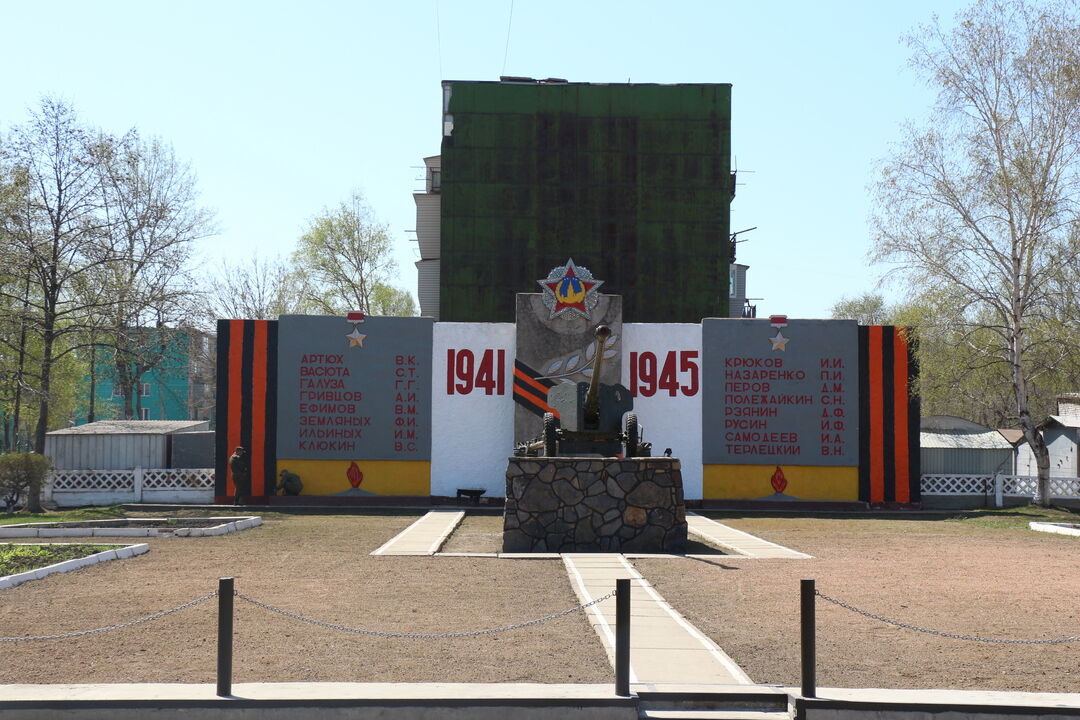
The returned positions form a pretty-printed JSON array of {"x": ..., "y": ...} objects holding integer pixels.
[
  {"x": 800, "y": 482},
  {"x": 376, "y": 477}
]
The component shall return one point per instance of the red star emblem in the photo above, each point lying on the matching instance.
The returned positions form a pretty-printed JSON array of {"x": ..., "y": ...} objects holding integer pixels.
[{"x": 570, "y": 291}]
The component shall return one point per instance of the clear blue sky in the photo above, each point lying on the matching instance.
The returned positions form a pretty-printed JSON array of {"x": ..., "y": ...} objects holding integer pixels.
[{"x": 285, "y": 107}]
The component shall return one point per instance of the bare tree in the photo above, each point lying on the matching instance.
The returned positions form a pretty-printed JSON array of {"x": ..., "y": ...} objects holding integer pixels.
[
  {"x": 867, "y": 309},
  {"x": 153, "y": 218},
  {"x": 983, "y": 205},
  {"x": 255, "y": 289}
]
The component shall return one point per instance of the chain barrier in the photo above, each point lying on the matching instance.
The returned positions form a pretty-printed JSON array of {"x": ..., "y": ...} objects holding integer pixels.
[
  {"x": 423, "y": 636},
  {"x": 109, "y": 628},
  {"x": 939, "y": 633}
]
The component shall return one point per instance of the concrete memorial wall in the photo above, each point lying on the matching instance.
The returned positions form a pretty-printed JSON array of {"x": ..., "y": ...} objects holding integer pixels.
[
  {"x": 761, "y": 410},
  {"x": 780, "y": 411},
  {"x": 472, "y": 414},
  {"x": 354, "y": 404},
  {"x": 662, "y": 369}
]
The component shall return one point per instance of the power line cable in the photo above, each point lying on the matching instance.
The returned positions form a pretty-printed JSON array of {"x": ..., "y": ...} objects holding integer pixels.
[
  {"x": 439, "y": 39},
  {"x": 506, "y": 50}
]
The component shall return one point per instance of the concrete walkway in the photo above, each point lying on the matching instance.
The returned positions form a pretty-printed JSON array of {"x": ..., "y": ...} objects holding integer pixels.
[
  {"x": 737, "y": 541},
  {"x": 664, "y": 647},
  {"x": 425, "y": 536}
]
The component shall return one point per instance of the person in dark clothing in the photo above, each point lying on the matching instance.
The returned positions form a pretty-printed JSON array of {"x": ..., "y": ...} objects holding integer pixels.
[
  {"x": 290, "y": 483},
  {"x": 240, "y": 466}
]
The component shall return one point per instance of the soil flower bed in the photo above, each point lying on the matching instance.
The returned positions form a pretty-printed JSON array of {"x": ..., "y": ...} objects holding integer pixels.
[
  {"x": 130, "y": 523},
  {"x": 17, "y": 558},
  {"x": 132, "y": 527}
]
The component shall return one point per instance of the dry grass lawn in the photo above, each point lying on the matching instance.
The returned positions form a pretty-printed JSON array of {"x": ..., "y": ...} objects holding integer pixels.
[
  {"x": 316, "y": 565},
  {"x": 980, "y": 576},
  {"x": 970, "y": 577}
]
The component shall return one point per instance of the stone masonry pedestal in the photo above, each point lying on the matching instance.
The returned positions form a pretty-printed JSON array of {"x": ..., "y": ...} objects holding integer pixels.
[{"x": 594, "y": 505}]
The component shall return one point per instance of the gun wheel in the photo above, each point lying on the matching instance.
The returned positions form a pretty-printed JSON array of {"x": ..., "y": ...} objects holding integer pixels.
[
  {"x": 631, "y": 435},
  {"x": 551, "y": 435}
]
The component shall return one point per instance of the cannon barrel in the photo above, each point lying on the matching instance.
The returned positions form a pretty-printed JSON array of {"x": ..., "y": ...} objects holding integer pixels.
[{"x": 592, "y": 397}]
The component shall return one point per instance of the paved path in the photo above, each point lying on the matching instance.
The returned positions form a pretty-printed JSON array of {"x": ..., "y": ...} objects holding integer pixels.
[
  {"x": 425, "y": 536},
  {"x": 737, "y": 541},
  {"x": 664, "y": 647}
]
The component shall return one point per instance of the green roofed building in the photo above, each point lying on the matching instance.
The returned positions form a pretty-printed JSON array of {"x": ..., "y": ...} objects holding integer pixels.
[{"x": 631, "y": 181}]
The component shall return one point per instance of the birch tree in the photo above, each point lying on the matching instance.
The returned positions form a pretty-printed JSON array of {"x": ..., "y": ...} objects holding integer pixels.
[{"x": 982, "y": 205}]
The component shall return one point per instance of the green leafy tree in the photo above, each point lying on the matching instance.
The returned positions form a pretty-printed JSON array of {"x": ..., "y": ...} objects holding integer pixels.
[
  {"x": 22, "y": 475},
  {"x": 15, "y": 281},
  {"x": 344, "y": 261},
  {"x": 955, "y": 375},
  {"x": 388, "y": 300},
  {"x": 55, "y": 239},
  {"x": 982, "y": 206},
  {"x": 96, "y": 233}
]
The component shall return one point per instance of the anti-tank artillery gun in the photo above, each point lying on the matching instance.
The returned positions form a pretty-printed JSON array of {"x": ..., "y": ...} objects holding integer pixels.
[{"x": 589, "y": 418}]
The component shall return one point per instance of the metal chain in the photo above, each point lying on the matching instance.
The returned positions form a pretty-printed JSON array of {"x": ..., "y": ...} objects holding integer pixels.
[
  {"x": 139, "y": 621},
  {"x": 939, "y": 633},
  {"x": 422, "y": 636}
]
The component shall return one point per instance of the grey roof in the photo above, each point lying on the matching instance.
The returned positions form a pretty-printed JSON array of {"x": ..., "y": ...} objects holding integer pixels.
[
  {"x": 134, "y": 427},
  {"x": 950, "y": 423},
  {"x": 988, "y": 440}
]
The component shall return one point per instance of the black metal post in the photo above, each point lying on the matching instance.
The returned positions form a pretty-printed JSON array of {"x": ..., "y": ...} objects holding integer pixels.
[
  {"x": 622, "y": 637},
  {"x": 809, "y": 670},
  {"x": 225, "y": 636}
]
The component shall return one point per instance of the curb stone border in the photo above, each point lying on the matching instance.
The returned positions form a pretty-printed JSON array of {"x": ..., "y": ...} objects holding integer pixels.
[
  {"x": 1056, "y": 528},
  {"x": 120, "y": 552},
  {"x": 229, "y": 524}
]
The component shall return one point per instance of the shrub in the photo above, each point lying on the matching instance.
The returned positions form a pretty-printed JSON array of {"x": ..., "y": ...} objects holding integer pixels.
[{"x": 21, "y": 476}]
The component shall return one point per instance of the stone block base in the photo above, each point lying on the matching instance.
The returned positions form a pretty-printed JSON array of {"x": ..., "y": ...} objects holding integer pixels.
[{"x": 594, "y": 505}]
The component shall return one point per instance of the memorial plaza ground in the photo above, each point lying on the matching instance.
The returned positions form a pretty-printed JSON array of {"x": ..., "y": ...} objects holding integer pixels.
[{"x": 982, "y": 574}]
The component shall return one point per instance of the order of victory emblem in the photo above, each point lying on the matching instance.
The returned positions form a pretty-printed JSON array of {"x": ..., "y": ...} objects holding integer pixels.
[{"x": 570, "y": 289}]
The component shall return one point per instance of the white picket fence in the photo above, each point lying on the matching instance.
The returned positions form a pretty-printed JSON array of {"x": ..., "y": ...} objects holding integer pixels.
[
  {"x": 998, "y": 485},
  {"x": 70, "y": 488}
]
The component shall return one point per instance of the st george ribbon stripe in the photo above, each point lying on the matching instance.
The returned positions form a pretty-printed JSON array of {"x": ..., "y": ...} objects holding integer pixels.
[{"x": 530, "y": 390}]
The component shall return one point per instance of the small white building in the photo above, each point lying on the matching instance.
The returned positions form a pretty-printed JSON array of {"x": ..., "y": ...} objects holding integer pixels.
[
  {"x": 1062, "y": 435},
  {"x": 117, "y": 444},
  {"x": 117, "y": 461}
]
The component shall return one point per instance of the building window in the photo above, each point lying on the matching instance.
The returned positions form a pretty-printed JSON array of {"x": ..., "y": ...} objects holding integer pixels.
[
  {"x": 144, "y": 389},
  {"x": 117, "y": 391},
  {"x": 436, "y": 180},
  {"x": 144, "y": 413}
]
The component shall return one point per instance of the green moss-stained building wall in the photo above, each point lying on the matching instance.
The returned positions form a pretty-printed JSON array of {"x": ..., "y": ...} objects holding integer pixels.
[{"x": 631, "y": 181}]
